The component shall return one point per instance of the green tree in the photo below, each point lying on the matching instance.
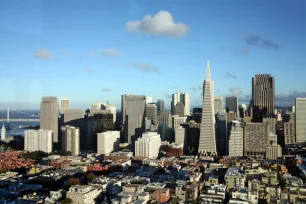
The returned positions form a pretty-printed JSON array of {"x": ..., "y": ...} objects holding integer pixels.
[
  {"x": 90, "y": 176},
  {"x": 67, "y": 201}
]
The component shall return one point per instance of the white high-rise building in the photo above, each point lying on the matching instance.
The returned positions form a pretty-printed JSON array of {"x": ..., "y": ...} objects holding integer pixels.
[
  {"x": 207, "y": 144},
  {"x": 71, "y": 139},
  {"x": 3, "y": 132},
  {"x": 108, "y": 141},
  {"x": 65, "y": 105},
  {"x": 148, "y": 145},
  {"x": 300, "y": 119},
  {"x": 148, "y": 100},
  {"x": 183, "y": 98},
  {"x": 111, "y": 108},
  {"x": 38, "y": 140},
  {"x": 179, "y": 134},
  {"x": 177, "y": 121},
  {"x": 49, "y": 115},
  {"x": 235, "y": 143},
  {"x": 95, "y": 107}
]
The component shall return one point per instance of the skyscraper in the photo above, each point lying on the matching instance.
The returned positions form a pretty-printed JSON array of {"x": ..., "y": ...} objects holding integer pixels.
[
  {"x": 71, "y": 139},
  {"x": 219, "y": 104},
  {"x": 263, "y": 97},
  {"x": 179, "y": 109},
  {"x": 111, "y": 108},
  {"x": 183, "y": 98},
  {"x": 235, "y": 142},
  {"x": 232, "y": 104},
  {"x": 160, "y": 105},
  {"x": 151, "y": 113},
  {"x": 221, "y": 133},
  {"x": 149, "y": 100},
  {"x": 38, "y": 140},
  {"x": 207, "y": 141},
  {"x": 148, "y": 145},
  {"x": 300, "y": 119},
  {"x": 65, "y": 105},
  {"x": 164, "y": 117},
  {"x": 133, "y": 116},
  {"x": 49, "y": 115},
  {"x": 108, "y": 141}
]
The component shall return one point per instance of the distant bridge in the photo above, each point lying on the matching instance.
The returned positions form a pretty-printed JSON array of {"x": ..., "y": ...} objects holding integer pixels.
[{"x": 21, "y": 117}]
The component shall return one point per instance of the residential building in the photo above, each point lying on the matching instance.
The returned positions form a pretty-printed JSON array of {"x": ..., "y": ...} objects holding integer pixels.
[
  {"x": 207, "y": 143},
  {"x": 221, "y": 133},
  {"x": 49, "y": 115},
  {"x": 148, "y": 145},
  {"x": 83, "y": 194},
  {"x": 300, "y": 119},
  {"x": 38, "y": 140},
  {"x": 65, "y": 105},
  {"x": 71, "y": 139},
  {"x": 151, "y": 113},
  {"x": 235, "y": 178},
  {"x": 256, "y": 138},
  {"x": 232, "y": 105},
  {"x": 263, "y": 96},
  {"x": 108, "y": 142},
  {"x": 164, "y": 117},
  {"x": 183, "y": 98},
  {"x": 235, "y": 143},
  {"x": 218, "y": 104},
  {"x": 133, "y": 116}
]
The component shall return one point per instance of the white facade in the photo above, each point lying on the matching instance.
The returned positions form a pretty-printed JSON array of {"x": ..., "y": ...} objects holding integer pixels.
[
  {"x": 179, "y": 136},
  {"x": 149, "y": 100},
  {"x": 71, "y": 139},
  {"x": 273, "y": 152},
  {"x": 83, "y": 194},
  {"x": 300, "y": 119},
  {"x": 65, "y": 105},
  {"x": 183, "y": 98},
  {"x": 148, "y": 145},
  {"x": 108, "y": 141},
  {"x": 38, "y": 140},
  {"x": 218, "y": 104},
  {"x": 111, "y": 108},
  {"x": 177, "y": 121},
  {"x": 207, "y": 143},
  {"x": 3, "y": 133},
  {"x": 95, "y": 107},
  {"x": 235, "y": 143}
]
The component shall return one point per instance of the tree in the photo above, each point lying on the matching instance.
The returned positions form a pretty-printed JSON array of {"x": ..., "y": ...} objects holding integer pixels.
[
  {"x": 71, "y": 182},
  {"x": 91, "y": 176},
  {"x": 67, "y": 201}
]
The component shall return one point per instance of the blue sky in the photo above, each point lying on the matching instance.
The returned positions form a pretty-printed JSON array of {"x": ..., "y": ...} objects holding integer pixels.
[{"x": 98, "y": 50}]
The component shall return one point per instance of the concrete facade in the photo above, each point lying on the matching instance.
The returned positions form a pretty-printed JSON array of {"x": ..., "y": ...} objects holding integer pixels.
[
  {"x": 38, "y": 140},
  {"x": 71, "y": 139},
  {"x": 300, "y": 119},
  {"x": 108, "y": 141},
  {"x": 148, "y": 145}
]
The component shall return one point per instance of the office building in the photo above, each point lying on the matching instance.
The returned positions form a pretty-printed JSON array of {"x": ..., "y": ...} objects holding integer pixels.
[
  {"x": 221, "y": 133},
  {"x": 49, "y": 115},
  {"x": 271, "y": 123},
  {"x": 207, "y": 143},
  {"x": 243, "y": 111},
  {"x": 108, "y": 142},
  {"x": 148, "y": 100},
  {"x": 38, "y": 140},
  {"x": 164, "y": 117},
  {"x": 133, "y": 116},
  {"x": 192, "y": 131},
  {"x": 166, "y": 133},
  {"x": 256, "y": 138},
  {"x": 293, "y": 109},
  {"x": 179, "y": 109},
  {"x": 71, "y": 139},
  {"x": 183, "y": 98},
  {"x": 218, "y": 104},
  {"x": 65, "y": 105},
  {"x": 148, "y": 145},
  {"x": 231, "y": 115},
  {"x": 179, "y": 134},
  {"x": 151, "y": 113},
  {"x": 72, "y": 115},
  {"x": 235, "y": 143},
  {"x": 232, "y": 104},
  {"x": 3, "y": 132},
  {"x": 197, "y": 115},
  {"x": 111, "y": 108},
  {"x": 263, "y": 97},
  {"x": 83, "y": 194},
  {"x": 273, "y": 151},
  {"x": 177, "y": 121},
  {"x": 300, "y": 119},
  {"x": 289, "y": 128},
  {"x": 273, "y": 138},
  {"x": 95, "y": 107},
  {"x": 160, "y": 105},
  {"x": 96, "y": 123}
]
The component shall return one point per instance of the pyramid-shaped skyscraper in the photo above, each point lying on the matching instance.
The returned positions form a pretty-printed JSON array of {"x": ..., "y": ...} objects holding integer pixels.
[{"x": 207, "y": 142}]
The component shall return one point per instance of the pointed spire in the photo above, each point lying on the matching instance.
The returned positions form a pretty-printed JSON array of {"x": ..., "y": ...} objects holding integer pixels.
[{"x": 207, "y": 71}]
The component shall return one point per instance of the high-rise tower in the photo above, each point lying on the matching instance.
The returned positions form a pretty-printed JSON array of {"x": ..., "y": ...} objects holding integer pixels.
[{"x": 207, "y": 142}]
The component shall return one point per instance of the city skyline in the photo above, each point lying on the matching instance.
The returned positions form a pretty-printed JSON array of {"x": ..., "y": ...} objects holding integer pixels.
[{"x": 87, "y": 52}]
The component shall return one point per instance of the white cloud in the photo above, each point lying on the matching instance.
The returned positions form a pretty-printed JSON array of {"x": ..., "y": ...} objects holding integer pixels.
[
  {"x": 43, "y": 54},
  {"x": 88, "y": 69},
  {"x": 235, "y": 91},
  {"x": 110, "y": 53},
  {"x": 145, "y": 67},
  {"x": 161, "y": 24}
]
